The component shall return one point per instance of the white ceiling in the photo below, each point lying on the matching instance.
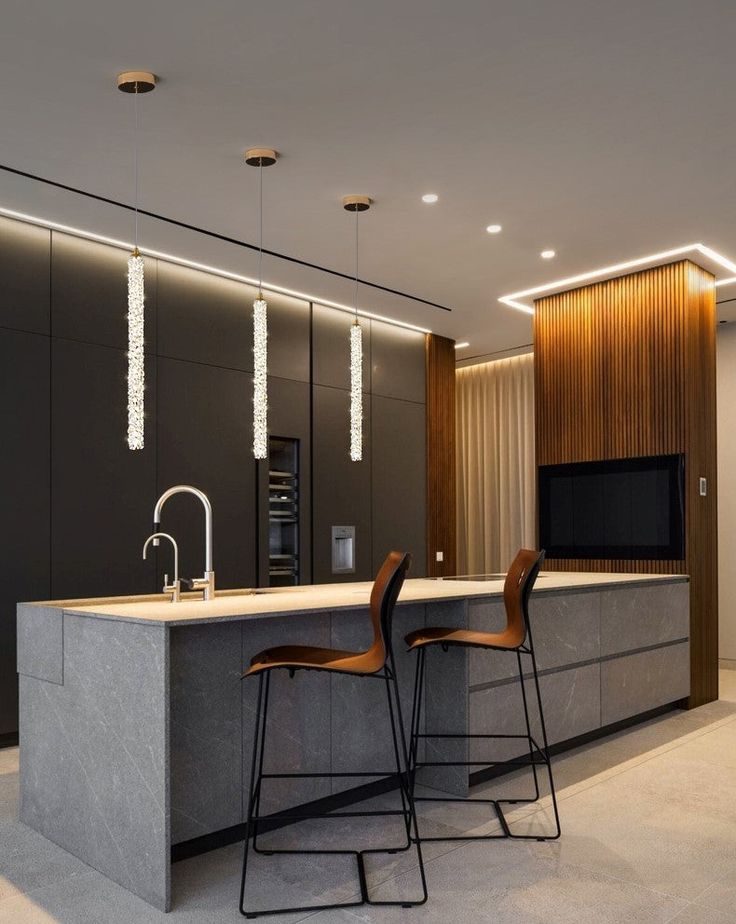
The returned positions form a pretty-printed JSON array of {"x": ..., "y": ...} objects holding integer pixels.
[{"x": 601, "y": 129}]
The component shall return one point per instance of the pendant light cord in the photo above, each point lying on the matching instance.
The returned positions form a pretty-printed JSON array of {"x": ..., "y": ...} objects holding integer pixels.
[
  {"x": 135, "y": 162},
  {"x": 260, "y": 229},
  {"x": 356, "y": 264}
]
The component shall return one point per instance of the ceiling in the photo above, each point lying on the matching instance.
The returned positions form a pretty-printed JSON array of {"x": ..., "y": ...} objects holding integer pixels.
[{"x": 600, "y": 129}]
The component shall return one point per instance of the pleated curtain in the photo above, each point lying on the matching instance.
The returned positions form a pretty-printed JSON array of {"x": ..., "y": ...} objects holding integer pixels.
[{"x": 496, "y": 472}]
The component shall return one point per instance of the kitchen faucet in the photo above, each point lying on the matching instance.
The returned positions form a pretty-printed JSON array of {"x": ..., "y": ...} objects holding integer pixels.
[
  {"x": 207, "y": 583},
  {"x": 175, "y": 588}
]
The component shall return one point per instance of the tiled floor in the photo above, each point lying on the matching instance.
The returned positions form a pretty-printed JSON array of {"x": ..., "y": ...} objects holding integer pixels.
[{"x": 649, "y": 834}]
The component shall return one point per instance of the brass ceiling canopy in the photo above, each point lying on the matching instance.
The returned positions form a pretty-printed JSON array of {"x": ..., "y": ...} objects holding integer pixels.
[
  {"x": 356, "y": 203},
  {"x": 261, "y": 157},
  {"x": 136, "y": 81}
]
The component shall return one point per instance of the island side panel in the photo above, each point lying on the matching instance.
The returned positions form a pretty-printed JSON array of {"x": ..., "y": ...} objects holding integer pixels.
[
  {"x": 206, "y": 667},
  {"x": 94, "y": 751}
]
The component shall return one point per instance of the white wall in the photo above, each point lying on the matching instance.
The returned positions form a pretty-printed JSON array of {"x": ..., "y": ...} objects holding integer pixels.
[{"x": 726, "y": 358}]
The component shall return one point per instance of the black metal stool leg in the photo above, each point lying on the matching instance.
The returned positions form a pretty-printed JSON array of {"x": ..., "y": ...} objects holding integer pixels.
[
  {"x": 405, "y": 782},
  {"x": 252, "y": 788},
  {"x": 261, "y": 751},
  {"x": 404, "y": 805},
  {"x": 416, "y": 713},
  {"x": 529, "y": 734},
  {"x": 545, "y": 745}
]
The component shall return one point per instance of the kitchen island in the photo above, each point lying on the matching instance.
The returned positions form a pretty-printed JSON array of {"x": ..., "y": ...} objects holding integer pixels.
[{"x": 135, "y": 726}]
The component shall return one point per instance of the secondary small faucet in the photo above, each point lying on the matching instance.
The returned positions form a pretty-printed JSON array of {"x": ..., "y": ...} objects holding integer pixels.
[
  {"x": 207, "y": 583},
  {"x": 175, "y": 588}
]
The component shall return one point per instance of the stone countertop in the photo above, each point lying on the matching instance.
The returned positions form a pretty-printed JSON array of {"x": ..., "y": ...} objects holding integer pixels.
[{"x": 157, "y": 609}]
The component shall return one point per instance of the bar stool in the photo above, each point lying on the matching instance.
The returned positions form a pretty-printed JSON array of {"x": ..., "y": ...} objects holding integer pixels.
[
  {"x": 516, "y": 638},
  {"x": 375, "y": 663}
]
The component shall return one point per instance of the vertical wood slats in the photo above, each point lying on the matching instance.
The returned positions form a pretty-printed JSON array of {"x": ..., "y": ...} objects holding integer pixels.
[
  {"x": 441, "y": 472},
  {"x": 626, "y": 368}
]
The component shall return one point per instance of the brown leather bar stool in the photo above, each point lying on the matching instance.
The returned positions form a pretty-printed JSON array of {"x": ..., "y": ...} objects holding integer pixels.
[
  {"x": 516, "y": 639},
  {"x": 375, "y": 663}
]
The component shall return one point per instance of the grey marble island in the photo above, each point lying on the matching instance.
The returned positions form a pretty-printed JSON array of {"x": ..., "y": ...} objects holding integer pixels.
[{"x": 135, "y": 725}]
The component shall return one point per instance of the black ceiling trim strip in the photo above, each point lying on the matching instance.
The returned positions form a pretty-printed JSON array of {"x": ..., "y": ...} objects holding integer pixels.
[{"x": 220, "y": 237}]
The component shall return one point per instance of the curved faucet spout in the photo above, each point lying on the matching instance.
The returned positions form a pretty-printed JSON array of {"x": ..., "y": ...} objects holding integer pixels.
[{"x": 189, "y": 489}]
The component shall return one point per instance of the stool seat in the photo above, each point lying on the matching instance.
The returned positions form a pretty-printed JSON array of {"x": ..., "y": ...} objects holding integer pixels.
[
  {"x": 510, "y": 638},
  {"x": 305, "y": 657}
]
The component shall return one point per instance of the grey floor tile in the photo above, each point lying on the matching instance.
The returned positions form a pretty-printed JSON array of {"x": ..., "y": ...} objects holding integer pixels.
[
  {"x": 506, "y": 883},
  {"x": 697, "y": 914},
  {"x": 650, "y": 839},
  {"x": 29, "y": 862}
]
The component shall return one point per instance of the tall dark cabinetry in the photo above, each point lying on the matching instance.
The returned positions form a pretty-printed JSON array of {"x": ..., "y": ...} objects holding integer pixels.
[{"x": 77, "y": 504}]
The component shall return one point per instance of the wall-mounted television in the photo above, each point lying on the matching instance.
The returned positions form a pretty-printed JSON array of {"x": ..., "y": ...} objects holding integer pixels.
[{"x": 616, "y": 508}]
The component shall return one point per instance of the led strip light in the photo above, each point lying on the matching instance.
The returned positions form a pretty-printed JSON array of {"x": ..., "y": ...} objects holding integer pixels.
[
  {"x": 608, "y": 272},
  {"x": 205, "y": 268}
]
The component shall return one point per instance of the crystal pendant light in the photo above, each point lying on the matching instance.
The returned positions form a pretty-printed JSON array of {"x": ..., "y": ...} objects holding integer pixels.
[
  {"x": 136, "y": 82},
  {"x": 356, "y": 204},
  {"x": 260, "y": 157}
]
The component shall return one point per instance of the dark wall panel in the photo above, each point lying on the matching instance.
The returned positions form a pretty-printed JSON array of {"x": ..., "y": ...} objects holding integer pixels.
[
  {"x": 205, "y": 439},
  {"x": 89, "y": 293},
  {"x": 24, "y": 272},
  {"x": 24, "y": 495},
  {"x": 331, "y": 348},
  {"x": 289, "y": 416},
  {"x": 397, "y": 363},
  {"x": 288, "y": 338},
  {"x": 342, "y": 489},
  {"x": 204, "y": 318},
  {"x": 399, "y": 481},
  {"x": 102, "y": 493}
]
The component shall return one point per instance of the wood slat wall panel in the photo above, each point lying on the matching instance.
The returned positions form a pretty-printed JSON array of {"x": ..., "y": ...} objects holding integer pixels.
[
  {"x": 626, "y": 368},
  {"x": 441, "y": 478}
]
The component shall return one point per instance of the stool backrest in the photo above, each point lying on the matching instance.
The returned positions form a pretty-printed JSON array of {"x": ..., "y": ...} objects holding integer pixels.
[
  {"x": 516, "y": 590},
  {"x": 386, "y": 589}
]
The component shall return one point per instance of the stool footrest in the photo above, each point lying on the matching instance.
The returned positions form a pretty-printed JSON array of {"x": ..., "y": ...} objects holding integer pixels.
[{"x": 365, "y": 898}]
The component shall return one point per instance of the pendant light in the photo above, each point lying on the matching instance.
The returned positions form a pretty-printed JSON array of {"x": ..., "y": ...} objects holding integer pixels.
[
  {"x": 260, "y": 157},
  {"x": 136, "y": 82},
  {"x": 356, "y": 204}
]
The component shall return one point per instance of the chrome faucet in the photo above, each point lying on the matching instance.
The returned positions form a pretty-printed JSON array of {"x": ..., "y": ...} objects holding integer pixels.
[
  {"x": 175, "y": 588},
  {"x": 207, "y": 583}
]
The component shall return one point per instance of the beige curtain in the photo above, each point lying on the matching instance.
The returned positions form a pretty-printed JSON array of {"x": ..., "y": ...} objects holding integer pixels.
[{"x": 496, "y": 500}]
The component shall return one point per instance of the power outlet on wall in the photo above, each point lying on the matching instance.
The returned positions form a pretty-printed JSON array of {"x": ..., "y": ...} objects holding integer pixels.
[{"x": 439, "y": 556}]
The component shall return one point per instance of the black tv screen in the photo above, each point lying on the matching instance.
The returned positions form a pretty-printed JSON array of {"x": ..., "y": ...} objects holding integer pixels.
[{"x": 618, "y": 508}]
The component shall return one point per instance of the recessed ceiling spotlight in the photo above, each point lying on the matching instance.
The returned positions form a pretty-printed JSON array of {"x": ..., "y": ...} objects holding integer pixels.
[
  {"x": 430, "y": 198},
  {"x": 548, "y": 254},
  {"x": 493, "y": 229},
  {"x": 461, "y": 346}
]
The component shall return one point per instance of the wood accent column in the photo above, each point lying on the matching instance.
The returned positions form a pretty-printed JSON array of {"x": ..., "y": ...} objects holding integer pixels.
[
  {"x": 441, "y": 501},
  {"x": 626, "y": 368}
]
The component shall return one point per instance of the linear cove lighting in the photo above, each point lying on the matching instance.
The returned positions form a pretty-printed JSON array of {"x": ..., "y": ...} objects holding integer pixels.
[
  {"x": 607, "y": 272},
  {"x": 206, "y": 268},
  {"x": 461, "y": 346}
]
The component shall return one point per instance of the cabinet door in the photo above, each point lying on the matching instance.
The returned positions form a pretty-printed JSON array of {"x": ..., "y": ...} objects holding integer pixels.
[
  {"x": 89, "y": 286},
  {"x": 24, "y": 495},
  {"x": 342, "y": 488},
  {"x": 24, "y": 271},
  {"x": 102, "y": 493},
  {"x": 205, "y": 439},
  {"x": 399, "y": 481}
]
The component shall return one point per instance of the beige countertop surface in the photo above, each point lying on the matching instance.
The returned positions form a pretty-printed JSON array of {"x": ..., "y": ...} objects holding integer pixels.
[{"x": 245, "y": 603}]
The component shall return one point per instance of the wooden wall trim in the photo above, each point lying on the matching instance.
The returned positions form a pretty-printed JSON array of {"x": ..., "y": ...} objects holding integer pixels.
[
  {"x": 441, "y": 470},
  {"x": 626, "y": 368}
]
